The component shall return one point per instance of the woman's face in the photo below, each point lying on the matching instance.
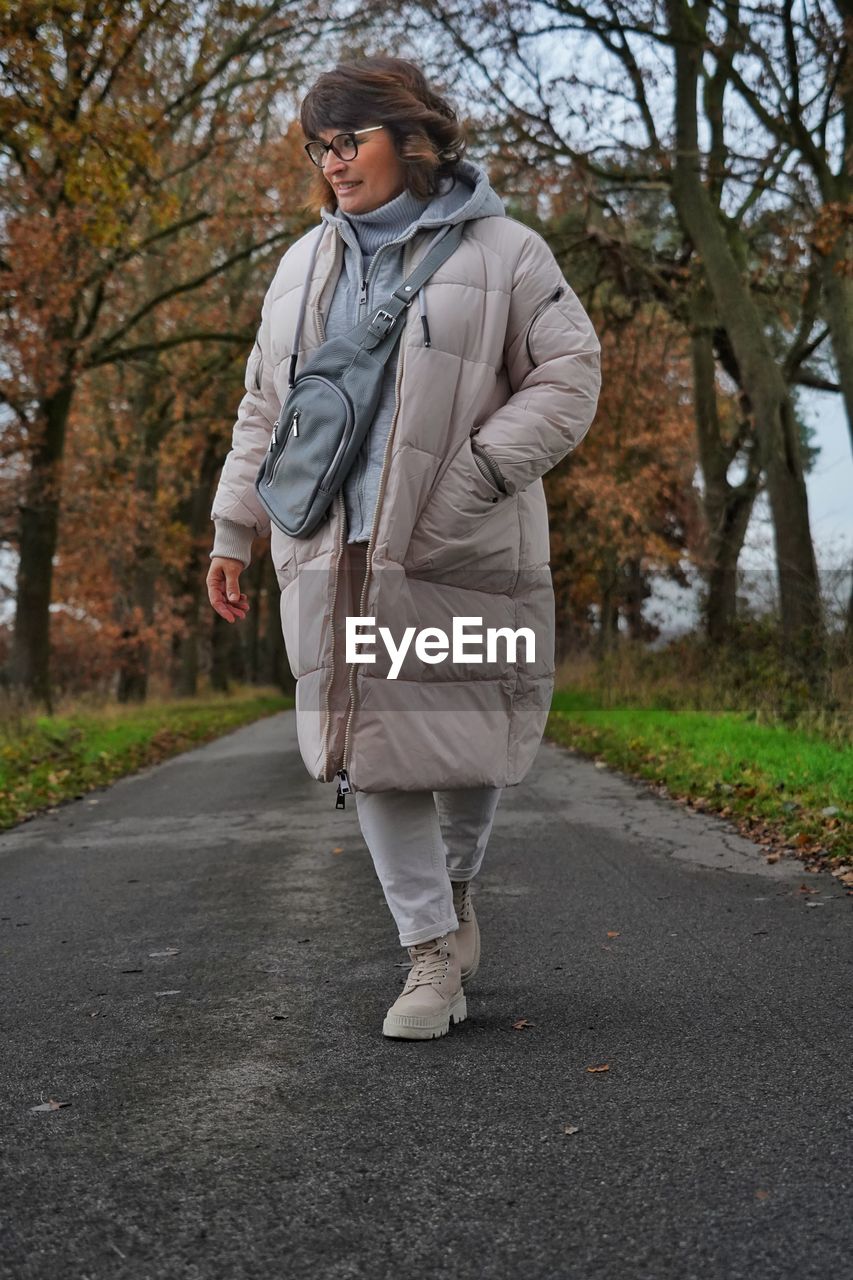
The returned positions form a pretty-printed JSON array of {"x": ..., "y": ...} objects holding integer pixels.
[{"x": 377, "y": 171}]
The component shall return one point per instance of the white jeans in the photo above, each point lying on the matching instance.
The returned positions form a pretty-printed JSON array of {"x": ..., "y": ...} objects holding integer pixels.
[{"x": 419, "y": 842}]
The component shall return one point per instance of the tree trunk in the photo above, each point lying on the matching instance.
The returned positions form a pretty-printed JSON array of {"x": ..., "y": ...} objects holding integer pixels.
[
  {"x": 838, "y": 307},
  {"x": 608, "y": 627},
  {"x": 142, "y": 586},
  {"x": 194, "y": 608},
  {"x": 727, "y": 507},
  {"x": 635, "y": 590},
  {"x": 29, "y": 663},
  {"x": 761, "y": 377}
]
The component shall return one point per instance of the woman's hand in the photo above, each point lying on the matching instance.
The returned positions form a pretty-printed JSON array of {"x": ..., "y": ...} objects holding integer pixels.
[{"x": 223, "y": 588}]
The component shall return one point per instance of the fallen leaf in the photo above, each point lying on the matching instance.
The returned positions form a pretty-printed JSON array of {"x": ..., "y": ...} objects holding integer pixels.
[
  {"x": 521, "y": 1024},
  {"x": 170, "y": 951},
  {"x": 772, "y": 857},
  {"x": 572, "y": 1128},
  {"x": 611, "y": 933},
  {"x": 50, "y": 1105},
  {"x": 762, "y": 1195},
  {"x": 339, "y": 849},
  {"x": 168, "y": 993},
  {"x": 604, "y": 1067}
]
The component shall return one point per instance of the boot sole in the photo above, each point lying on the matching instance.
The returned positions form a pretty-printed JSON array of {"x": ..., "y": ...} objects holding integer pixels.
[{"x": 411, "y": 1027}]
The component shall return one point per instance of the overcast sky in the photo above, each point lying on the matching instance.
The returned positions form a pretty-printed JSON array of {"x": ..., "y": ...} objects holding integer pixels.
[{"x": 830, "y": 483}]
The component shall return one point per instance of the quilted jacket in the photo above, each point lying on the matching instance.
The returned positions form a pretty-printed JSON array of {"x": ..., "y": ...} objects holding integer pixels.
[{"x": 505, "y": 387}]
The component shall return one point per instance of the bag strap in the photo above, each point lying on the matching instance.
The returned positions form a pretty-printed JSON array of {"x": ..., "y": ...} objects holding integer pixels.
[
  {"x": 373, "y": 331},
  {"x": 302, "y": 301},
  {"x": 382, "y": 325}
]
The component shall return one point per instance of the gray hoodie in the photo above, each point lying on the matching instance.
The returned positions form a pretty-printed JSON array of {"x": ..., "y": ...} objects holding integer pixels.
[{"x": 360, "y": 289}]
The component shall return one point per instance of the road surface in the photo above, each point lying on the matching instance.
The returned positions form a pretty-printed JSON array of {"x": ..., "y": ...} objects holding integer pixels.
[{"x": 198, "y": 959}]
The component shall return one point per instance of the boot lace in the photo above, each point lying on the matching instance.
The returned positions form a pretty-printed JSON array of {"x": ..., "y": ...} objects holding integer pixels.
[
  {"x": 430, "y": 963},
  {"x": 462, "y": 899}
]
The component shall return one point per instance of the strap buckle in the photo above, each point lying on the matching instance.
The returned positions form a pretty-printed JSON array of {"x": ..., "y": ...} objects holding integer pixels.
[{"x": 381, "y": 324}]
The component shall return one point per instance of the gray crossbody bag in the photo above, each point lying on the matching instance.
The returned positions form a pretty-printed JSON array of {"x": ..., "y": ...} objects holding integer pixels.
[{"x": 332, "y": 401}]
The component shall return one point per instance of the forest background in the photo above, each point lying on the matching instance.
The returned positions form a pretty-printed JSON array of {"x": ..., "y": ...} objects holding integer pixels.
[{"x": 689, "y": 164}]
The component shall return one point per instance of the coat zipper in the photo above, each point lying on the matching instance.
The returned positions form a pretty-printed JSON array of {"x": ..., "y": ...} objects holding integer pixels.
[
  {"x": 328, "y": 720},
  {"x": 321, "y": 329},
  {"x": 537, "y": 313},
  {"x": 362, "y": 303},
  {"x": 343, "y": 775}
]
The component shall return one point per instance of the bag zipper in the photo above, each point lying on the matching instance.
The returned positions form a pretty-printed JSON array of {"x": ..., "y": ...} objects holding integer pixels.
[{"x": 558, "y": 292}]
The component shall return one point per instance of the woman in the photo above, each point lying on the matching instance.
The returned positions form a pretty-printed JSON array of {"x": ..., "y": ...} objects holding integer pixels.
[{"x": 442, "y": 523}]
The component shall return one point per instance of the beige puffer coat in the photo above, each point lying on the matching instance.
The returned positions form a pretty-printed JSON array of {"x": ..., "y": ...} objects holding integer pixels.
[{"x": 512, "y": 379}]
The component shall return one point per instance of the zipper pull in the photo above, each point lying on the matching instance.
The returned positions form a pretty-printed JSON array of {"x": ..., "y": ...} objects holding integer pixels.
[
  {"x": 344, "y": 789},
  {"x": 294, "y": 423},
  {"x": 274, "y": 440},
  {"x": 363, "y": 297}
]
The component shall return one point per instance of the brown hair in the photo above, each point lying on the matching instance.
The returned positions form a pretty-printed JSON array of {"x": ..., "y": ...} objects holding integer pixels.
[{"x": 427, "y": 135}]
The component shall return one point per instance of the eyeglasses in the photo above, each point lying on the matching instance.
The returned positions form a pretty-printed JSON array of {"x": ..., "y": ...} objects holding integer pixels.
[{"x": 344, "y": 145}]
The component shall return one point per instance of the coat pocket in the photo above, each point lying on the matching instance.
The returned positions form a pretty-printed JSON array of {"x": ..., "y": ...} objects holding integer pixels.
[
  {"x": 540, "y": 310},
  {"x": 468, "y": 530},
  {"x": 489, "y": 468}
]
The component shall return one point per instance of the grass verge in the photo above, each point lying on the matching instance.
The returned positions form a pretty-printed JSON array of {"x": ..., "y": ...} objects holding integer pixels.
[
  {"x": 772, "y": 781},
  {"x": 45, "y": 760}
]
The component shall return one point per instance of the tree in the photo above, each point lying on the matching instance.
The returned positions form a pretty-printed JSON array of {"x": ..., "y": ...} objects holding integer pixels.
[
  {"x": 108, "y": 116},
  {"x": 613, "y": 91}
]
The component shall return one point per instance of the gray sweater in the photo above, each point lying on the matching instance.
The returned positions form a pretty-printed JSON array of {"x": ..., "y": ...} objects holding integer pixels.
[
  {"x": 365, "y": 234},
  {"x": 372, "y": 270}
]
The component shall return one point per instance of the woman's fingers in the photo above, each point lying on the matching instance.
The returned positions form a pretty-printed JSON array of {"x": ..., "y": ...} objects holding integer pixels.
[
  {"x": 230, "y": 610},
  {"x": 219, "y": 589}
]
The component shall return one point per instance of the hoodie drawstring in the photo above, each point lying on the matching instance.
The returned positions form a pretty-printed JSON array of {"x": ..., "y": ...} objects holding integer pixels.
[{"x": 423, "y": 310}]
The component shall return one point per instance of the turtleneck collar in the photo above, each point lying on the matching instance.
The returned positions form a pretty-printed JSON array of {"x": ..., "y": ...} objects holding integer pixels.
[{"x": 386, "y": 222}]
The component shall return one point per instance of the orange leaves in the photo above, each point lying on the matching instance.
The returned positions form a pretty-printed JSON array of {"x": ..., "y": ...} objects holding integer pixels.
[{"x": 627, "y": 495}]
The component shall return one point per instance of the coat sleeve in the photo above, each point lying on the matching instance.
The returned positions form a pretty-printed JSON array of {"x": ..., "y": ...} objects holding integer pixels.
[
  {"x": 552, "y": 358},
  {"x": 237, "y": 513}
]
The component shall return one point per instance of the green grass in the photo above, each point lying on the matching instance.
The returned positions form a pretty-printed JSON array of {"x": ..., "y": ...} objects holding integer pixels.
[
  {"x": 765, "y": 775},
  {"x": 45, "y": 760}
]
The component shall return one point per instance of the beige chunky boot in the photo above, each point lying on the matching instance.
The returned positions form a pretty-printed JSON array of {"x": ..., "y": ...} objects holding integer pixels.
[
  {"x": 432, "y": 996},
  {"x": 468, "y": 933}
]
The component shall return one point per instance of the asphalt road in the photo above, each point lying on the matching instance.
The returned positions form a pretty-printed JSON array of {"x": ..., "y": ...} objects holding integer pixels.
[{"x": 235, "y": 1111}]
